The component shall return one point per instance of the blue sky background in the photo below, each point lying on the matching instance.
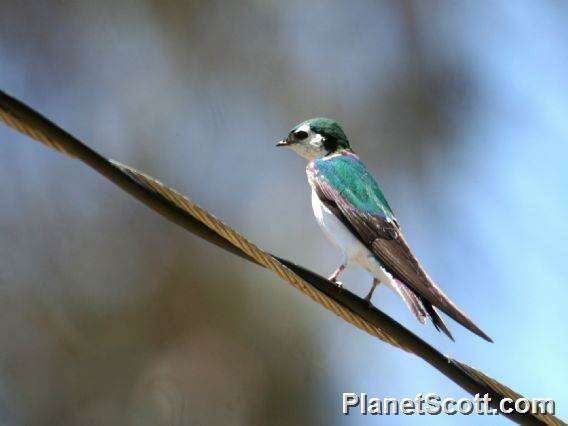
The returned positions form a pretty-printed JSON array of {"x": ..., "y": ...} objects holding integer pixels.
[{"x": 110, "y": 314}]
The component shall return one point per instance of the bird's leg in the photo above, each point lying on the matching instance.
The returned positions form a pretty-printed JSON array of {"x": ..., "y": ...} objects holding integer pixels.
[
  {"x": 333, "y": 277},
  {"x": 376, "y": 282}
]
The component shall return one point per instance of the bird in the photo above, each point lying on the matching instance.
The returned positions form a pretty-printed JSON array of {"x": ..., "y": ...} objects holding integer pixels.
[{"x": 355, "y": 216}]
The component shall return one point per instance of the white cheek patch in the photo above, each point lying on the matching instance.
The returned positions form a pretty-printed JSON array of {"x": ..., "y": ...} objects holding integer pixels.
[{"x": 316, "y": 140}]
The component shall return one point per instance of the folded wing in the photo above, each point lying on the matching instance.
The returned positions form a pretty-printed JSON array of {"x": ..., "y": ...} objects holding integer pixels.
[{"x": 344, "y": 183}]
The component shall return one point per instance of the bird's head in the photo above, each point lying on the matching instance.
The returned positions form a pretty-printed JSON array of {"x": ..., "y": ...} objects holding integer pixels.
[{"x": 316, "y": 138}]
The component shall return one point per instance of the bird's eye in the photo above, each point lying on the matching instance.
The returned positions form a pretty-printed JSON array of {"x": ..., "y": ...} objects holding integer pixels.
[{"x": 300, "y": 135}]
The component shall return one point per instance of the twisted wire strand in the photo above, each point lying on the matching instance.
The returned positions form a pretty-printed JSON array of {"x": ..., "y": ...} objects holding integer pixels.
[{"x": 197, "y": 220}]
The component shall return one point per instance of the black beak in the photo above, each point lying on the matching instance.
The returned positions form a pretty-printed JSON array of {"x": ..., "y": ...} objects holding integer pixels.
[{"x": 283, "y": 142}]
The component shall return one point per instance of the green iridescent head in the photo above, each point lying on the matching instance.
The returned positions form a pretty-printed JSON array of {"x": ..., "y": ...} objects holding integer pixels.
[{"x": 316, "y": 138}]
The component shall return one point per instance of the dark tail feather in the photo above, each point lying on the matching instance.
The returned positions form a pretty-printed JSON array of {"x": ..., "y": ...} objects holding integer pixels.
[
  {"x": 437, "y": 319},
  {"x": 421, "y": 308}
]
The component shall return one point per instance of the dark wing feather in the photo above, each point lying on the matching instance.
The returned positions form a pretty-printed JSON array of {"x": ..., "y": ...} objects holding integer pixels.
[
  {"x": 384, "y": 238},
  {"x": 395, "y": 255}
]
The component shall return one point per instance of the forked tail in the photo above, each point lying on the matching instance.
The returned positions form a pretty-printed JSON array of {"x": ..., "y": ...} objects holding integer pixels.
[{"x": 420, "y": 307}]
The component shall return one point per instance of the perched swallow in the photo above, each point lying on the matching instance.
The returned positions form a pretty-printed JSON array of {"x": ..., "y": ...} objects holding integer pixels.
[{"x": 355, "y": 216}]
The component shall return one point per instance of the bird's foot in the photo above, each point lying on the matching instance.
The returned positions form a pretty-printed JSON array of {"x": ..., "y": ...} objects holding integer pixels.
[{"x": 336, "y": 282}]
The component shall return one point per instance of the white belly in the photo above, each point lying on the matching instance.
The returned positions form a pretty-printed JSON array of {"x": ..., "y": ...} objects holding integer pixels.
[{"x": 351, "y": 248}]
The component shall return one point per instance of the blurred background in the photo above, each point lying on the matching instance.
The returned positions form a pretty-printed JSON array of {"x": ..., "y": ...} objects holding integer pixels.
[{"x": 112, "y": 315}]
